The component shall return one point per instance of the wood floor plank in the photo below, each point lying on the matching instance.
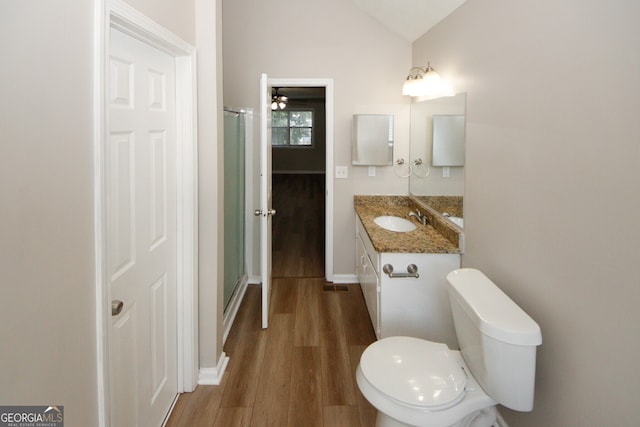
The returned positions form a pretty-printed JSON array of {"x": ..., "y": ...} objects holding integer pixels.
[
  {"x": 298, "y": 226},
  {"x": 178, "y": 410},
  {"x": 357, "y": 324},
  {"x": 248, "y": 320},
  {"x": 198, "y": 408},
  {"x": 284, "y": 292},
  {"x": 244, "y": 374},
  {"x": 271, "y": 407},
  {"x": 337, "y": 385},
  {"x": 245, "y": 347},
  {"x": 341, "y": 416},
  {"x": 307, "y": 326},
  {"x": 305, "y": 408},
  {"x": 233, "y": 417}
]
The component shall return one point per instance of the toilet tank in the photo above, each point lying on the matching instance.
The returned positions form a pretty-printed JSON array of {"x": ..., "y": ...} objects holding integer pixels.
[{"x": 498, "y": 340}]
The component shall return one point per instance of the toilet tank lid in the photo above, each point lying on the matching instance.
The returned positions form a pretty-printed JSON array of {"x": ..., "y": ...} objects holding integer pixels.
[{"x": 494, "y": 312}]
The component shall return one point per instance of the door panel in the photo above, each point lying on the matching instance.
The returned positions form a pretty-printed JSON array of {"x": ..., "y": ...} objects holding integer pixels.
[
  {"x": 123, "y": 354},
  {"x": 266, "y": 209},
  {"x": 141, "y": 231},
  {"x": 120, "y": 209},
  {"x": 158, "y": 184}
]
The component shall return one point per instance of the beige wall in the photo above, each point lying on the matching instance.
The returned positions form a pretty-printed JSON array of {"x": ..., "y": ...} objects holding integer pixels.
[
  {"x": 323, "y": 39},
  {"x": 47, "y": 302},
  {"x": 47, "y": 289},
  {"x": 211, "y": 181},
  {"x": 175, "y": 15},
  {"x": 552, "y": 197}
]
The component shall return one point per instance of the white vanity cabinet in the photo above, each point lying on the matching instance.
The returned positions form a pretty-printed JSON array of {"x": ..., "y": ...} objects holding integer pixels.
[
  {"x": 368, "y": 278},
  {"x": 409, "y": 306}
]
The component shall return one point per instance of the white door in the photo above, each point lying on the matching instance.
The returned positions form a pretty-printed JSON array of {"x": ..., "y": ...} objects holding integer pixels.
[
  {"x": 141, "y": 232},
  {"x": 265, "y": 211}
]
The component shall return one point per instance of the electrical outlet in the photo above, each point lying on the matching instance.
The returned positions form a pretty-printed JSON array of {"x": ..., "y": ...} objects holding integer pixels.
[
  {"x": 342, "y": 172},
  {"x": 372, "y": 171},
  {"x": 445, "y": 172}
]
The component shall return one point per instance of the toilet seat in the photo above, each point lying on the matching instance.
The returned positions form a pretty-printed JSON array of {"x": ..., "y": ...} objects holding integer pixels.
[{"x": 414, "y": 372}]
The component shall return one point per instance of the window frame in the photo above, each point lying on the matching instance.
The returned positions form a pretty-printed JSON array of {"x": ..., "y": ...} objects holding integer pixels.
[{"x": 289, "y": 110}]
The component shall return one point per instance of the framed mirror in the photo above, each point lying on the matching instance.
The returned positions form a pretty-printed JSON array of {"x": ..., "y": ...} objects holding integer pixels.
[
  {"x": 443, "y": 187},
  {"x": 372, "y": 140}
]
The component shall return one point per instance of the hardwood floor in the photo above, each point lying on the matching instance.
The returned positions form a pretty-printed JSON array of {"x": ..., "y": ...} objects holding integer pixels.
[
  {"x": 301, "y": 370},
  {"x": 298, "y": 226},
  {"x": 298, "y": 372}
]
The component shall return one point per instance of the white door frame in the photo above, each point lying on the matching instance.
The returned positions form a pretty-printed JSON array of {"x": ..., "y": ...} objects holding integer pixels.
[
  {"x": 116, "y": 14},
  {"x": 328, "y": 85}
]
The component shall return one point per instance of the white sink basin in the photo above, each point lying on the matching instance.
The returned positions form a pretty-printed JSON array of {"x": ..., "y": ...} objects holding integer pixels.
[
  {"x": 394, "y": 223},
  {"x": 456, "y": 220}
]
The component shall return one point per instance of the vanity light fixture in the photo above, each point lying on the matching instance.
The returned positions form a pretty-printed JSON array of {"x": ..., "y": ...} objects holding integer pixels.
[
  {"x": 278, "y": 101},
  {"x": 425, "y": 82}
]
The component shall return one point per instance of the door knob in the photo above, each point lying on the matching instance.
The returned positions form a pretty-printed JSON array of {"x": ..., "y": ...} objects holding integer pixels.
[
  {"x": 116, "y": 307},
  {"x": 258, "y": 212}
]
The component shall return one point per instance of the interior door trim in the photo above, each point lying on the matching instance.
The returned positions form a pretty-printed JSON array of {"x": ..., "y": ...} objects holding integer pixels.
[{"x": 116, "y": 14}]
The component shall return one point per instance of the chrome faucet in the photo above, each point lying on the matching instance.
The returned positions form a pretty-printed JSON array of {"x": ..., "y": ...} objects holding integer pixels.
[{"x": 422, "y": 219}]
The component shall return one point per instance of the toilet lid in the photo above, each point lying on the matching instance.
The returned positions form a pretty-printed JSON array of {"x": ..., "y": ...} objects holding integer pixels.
[{"x": 414, "y": 372}]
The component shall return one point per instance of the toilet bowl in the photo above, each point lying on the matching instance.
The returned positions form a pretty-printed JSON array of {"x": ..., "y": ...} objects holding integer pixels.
[{"x": 416, "y": 382}]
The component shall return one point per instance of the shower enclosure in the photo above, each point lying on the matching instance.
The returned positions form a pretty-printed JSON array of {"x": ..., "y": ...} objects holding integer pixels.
[{"x": 234, "y": 202}]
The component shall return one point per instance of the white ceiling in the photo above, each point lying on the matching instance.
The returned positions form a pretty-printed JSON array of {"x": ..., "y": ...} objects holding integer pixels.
[{"x": 409, "y": 18}]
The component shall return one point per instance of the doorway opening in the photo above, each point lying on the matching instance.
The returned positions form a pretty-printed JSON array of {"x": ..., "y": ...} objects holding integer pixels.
[{"x": 299, "y": 150}]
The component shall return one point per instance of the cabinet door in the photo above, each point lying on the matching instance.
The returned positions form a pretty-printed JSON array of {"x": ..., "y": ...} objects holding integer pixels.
[
  {"x": 360, "y": 256},
  {"x": 369, "y": 284}
]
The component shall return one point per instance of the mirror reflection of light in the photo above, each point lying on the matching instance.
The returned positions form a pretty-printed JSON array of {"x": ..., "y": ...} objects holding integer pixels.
[
  {"x": 420, "y": 398},
  {"x": 397, "y": 359}
]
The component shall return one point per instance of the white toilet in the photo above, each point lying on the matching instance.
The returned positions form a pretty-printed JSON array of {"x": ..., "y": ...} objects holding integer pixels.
[{"x": 414, "y": 382}]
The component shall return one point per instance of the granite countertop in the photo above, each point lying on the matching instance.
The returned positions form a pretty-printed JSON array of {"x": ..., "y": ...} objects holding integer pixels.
[{"x": 424, "y": 239}]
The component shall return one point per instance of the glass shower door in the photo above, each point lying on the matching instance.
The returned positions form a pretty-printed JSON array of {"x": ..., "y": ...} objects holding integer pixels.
[{"x": 234, "y": 209}]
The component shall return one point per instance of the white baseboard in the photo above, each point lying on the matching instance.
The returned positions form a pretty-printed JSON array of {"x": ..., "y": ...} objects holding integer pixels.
[
  {"x": 213, "y": 376},
  {"x": 345, "y": 278},
  {"x": 232, "y": 309},
  {"x": 255, "y": 280}
]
